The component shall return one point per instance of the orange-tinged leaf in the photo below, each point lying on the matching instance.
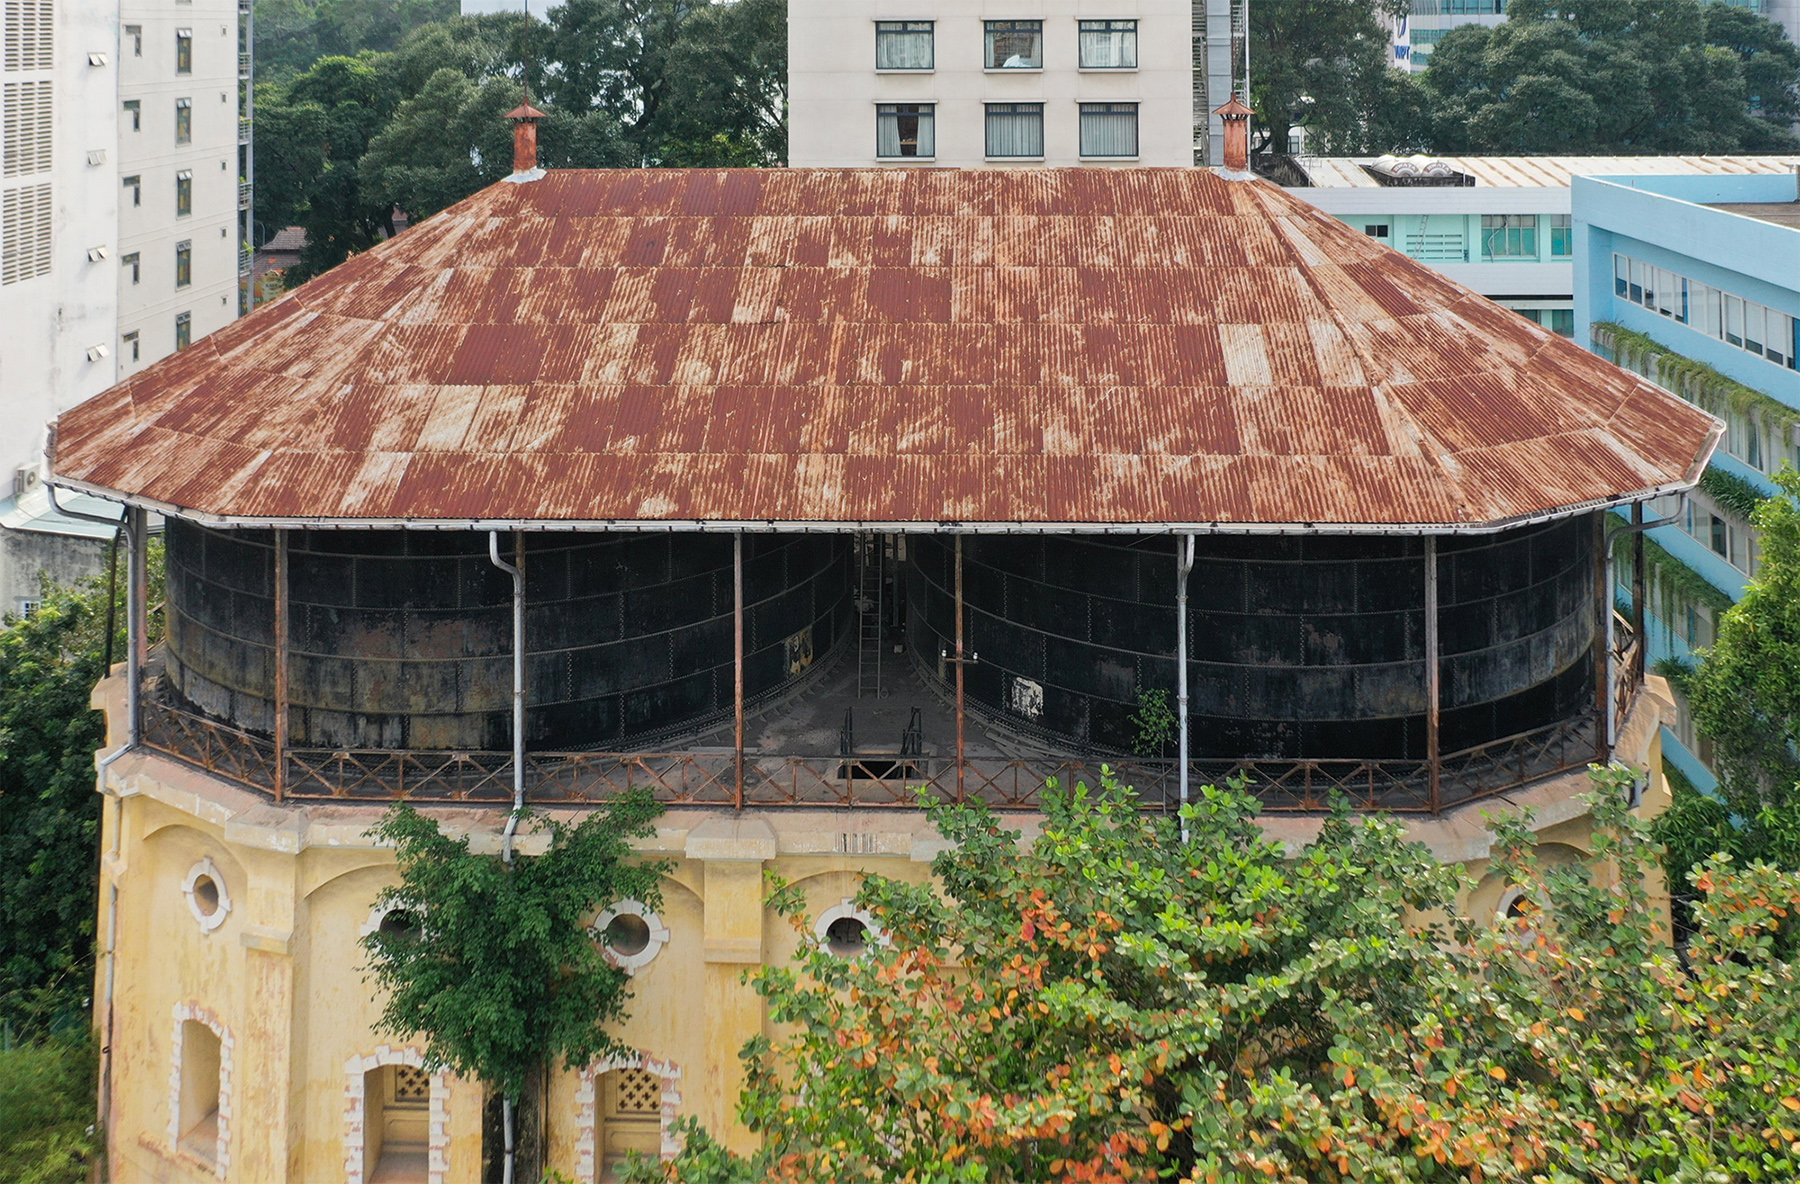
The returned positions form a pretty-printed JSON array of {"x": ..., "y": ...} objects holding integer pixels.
[
  {"x": 1497, "y": 1073},
  {"x": 1791, "y": 1103}
]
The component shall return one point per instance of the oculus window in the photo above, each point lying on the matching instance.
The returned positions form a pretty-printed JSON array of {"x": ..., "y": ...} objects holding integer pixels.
[
  {"x": 903, "y": 45},
  {"x": 1109, "y": 129},
  {"x": 1109, "y": 45},
  {"x": 1015, "y": 45},
  {"x": 905, "y": 129},
  {"x": 1015, "y": 130}
]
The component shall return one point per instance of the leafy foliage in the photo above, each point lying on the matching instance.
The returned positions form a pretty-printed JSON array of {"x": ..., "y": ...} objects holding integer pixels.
[
  {"x": 1622, "y": 76},
  {"x": 1107, "y": 1004},
  {"x": 502, "y": 975},
  {"x": 1745, "y": 697},
  {"x": 1155, "y": 723},
  {"x": 1323, "y": 65},
  {"x": 47, "y": 1111},
  {"x": 1732, "y": 491},
  {"x": 49, "y": 812}
]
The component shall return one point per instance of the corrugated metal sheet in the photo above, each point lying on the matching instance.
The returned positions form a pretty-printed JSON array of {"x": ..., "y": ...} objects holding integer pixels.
[
  {"x": 1548, "y": 172},
  {"x": 1103, "y": 348}
]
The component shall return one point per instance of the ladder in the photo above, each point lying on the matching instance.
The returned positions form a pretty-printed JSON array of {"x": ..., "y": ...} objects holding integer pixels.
[{"x": 868, "y": 615}]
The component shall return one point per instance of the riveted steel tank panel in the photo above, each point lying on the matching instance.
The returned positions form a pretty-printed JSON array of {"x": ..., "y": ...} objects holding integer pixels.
[
  {"x": 404, "y": 639},
  {"x": 1300, "y": 646}
]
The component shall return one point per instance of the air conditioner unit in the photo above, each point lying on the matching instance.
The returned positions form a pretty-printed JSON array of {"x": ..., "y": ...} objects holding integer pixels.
[{"x": 25, "y": 479}]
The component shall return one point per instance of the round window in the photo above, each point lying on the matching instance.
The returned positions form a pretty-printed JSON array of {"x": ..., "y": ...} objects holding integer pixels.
[
  {"x": 626, "y": 935},
  {"x": 847, "y": 937},
  {"x": 206, "y": 895},
  {"x": 400, "y": 924}
]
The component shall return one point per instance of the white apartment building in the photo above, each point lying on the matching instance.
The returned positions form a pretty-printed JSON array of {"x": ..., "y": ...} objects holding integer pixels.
[
  {"x": 119, "y": 197},
  {"x": 179, "y": 170},
  {"x": 999, "y": 82}
]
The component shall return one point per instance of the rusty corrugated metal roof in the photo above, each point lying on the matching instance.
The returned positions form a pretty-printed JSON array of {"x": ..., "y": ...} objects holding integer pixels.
[{"x": 1092, "y": 348}]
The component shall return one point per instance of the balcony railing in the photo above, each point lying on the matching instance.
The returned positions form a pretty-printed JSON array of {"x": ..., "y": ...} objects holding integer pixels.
[
  {"x": 243, "y": 66},
  {"x": 711, "y": 778},
  {"x": 244, "y": 196},
  {"x": 244, "y": 131}
]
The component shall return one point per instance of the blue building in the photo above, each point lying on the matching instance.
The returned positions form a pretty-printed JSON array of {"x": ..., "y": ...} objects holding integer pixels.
[{"x": 1694, "y": 282}]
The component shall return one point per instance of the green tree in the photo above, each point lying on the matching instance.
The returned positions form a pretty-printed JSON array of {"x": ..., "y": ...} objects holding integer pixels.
[
  {"x": 311, "y": 132},
  {"x": 1745, "y": 697},
  {"x": 1108, "y": 1004},
  {"x": 49, "y": 812},
  {"x": 47, "y": 1110},
  {"x": 1632, "y": 76},
  {"x": 1323, "y": 65},
  {"x": 501, "y": 975}
]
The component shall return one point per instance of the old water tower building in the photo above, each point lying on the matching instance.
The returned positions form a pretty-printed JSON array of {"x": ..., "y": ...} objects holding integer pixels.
[{"x": 785, "y": 493}]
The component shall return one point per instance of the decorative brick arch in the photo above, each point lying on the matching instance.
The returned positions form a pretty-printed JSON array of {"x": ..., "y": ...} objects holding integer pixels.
[
  {"x": 437, "y": 1143},
  {"x": 587, "y": 1108},
  {"x": 202, "y": 1015}
]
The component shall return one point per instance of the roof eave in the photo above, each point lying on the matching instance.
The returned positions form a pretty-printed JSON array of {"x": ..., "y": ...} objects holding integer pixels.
[{"x": 915, "y": 526}]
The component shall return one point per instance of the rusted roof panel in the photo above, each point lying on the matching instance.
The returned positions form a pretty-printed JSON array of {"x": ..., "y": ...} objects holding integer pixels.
[{"x": 1105, "y": 348}]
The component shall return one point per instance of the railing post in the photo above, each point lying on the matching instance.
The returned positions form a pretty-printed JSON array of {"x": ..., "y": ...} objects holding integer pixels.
[
  {"x": 737, "y": 664},
  {"x": 1435, "y": 796},
  {"x": 281, "y": 662}
]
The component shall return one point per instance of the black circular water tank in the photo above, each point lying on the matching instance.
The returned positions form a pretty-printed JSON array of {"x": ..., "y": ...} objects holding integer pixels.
[
  {"x": 403, "y": 639},
  {"x": 1300, "y": 646}
]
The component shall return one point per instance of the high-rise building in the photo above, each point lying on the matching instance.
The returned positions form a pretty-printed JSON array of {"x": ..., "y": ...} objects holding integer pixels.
[{"x": 121, "y": 182}]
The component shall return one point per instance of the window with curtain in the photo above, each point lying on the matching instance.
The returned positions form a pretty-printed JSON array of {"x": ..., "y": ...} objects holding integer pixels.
[
  {"x": 1509, "y": 236},
  {"x": 1109, "y": 45},
  {"x": 184, "y": 51},
  {"x": 905, "y": 129},
  {"x": 903, "y": 45},
  {"x": 184, "y": 263},
  {"x": 184, "y": 330},
  {"x": 184, "y": 121},
  {"x": 1109, "y": 129},
  {"x": 184, "y": 191},
  {"x": 1015, "y": 45},
  {"x": 1015, "y": 129},
  {"x": 1562, "y": 236}
]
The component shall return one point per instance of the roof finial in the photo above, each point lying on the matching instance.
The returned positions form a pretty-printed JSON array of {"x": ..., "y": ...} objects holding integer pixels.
[{"x": 525, "y": 118}]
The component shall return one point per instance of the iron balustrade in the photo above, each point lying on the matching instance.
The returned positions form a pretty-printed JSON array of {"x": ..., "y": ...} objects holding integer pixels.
[{"x": 709, "y": 778}]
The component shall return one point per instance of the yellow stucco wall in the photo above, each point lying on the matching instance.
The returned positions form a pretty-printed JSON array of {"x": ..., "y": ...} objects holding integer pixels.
[{"x": 282, "y": 973}]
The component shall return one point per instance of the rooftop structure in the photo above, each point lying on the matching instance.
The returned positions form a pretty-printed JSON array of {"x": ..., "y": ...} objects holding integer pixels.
[{"x": 1498, "y": 224}]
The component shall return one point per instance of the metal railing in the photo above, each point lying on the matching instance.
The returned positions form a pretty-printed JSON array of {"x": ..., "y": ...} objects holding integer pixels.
[
  {"x": 243, "y": 195},
  {"x": 244, "y": 130},
  {"x": 243, "y": 66},
  {"x": 709, "y": 778}
]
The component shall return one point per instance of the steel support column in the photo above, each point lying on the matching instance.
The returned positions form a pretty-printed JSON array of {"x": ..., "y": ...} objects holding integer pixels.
[
  {"x": 1433, "y": 685},
  {"x": 737, "y": 663},
  {"x": 1602, "y": 641},
  {"x": 1637, "y": 593},
  {"x": 137, "y": 620},
  {"x": 959, "y": 669},
  {"x": 1184, "y": 563},
  {"x": 281, "y": 663}
]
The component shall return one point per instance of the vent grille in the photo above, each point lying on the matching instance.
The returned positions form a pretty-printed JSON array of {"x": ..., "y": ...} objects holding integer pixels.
[
  {"x": 25, "y": 128},
  {"x": 24, "y": 233},
  {"x": 639, "y": 1093},
  {"x": 27, "y": 34}
]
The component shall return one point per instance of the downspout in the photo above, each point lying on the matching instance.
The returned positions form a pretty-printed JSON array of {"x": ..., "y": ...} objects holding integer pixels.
[
  {"x": 1639, "y": 527},
  {"x": 518, "y": 761},
  {"x": 131, "y": 527},
  {"x": 1184, "y": 563}
]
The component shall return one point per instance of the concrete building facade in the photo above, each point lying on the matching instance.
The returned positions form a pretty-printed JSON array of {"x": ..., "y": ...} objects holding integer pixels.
[
  {"x": 946, "y": 82},
  {"x": 1694, "y": 282}
]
